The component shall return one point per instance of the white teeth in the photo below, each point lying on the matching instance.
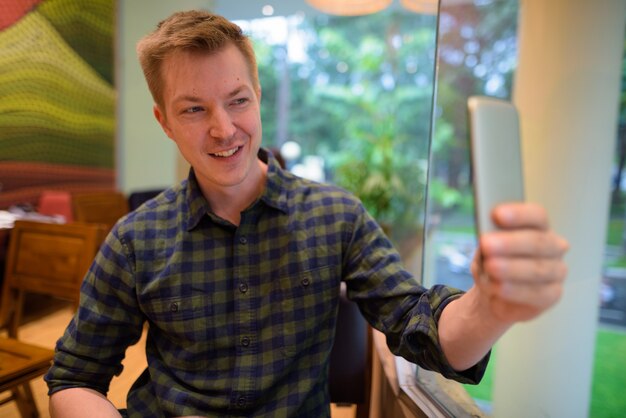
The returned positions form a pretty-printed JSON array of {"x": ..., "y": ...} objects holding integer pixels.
[{"x": 226, "y": 153}]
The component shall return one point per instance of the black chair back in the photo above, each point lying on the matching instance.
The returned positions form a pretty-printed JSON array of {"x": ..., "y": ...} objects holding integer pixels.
[
  {"x": 350, "y": 359},
  {"x": 136, "y": 199}
]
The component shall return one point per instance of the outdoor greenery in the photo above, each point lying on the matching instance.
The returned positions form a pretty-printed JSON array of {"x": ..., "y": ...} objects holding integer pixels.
[
  {"x": 360, "y": 96},
  {"x": 615, "y": 239},
  {"x": 614, "y": 232},
  {"x": 609, "y": 375}
]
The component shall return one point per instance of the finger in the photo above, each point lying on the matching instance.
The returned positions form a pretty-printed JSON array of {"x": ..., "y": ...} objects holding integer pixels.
[
  {"x": 524, "y": 270},
  {"x": 476, "y": 266},
  {"x": 520, "y": 215},
  {"x": 539, "y": 295},
  {"x": 523, "y": 243}
]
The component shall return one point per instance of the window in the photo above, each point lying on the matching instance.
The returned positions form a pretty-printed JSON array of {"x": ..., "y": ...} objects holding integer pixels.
[
  {"x": 609, "y": 369},
  {"x": 477, "y": 55},
  {"x": 477, "y": 52},
  {"x": 348, "y": 100}
]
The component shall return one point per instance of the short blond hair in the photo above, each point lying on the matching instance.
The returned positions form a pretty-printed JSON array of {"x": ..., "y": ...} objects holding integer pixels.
[{"x": 192, "y": 31}]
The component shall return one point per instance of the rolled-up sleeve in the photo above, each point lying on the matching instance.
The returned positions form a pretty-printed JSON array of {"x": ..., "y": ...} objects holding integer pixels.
[
  {"x": 393, "y": 301},
  {"x": 107, "y": 321}
]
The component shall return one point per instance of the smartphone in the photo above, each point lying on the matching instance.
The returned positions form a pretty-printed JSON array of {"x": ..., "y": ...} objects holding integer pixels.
[{"x": 495, "y": 156}]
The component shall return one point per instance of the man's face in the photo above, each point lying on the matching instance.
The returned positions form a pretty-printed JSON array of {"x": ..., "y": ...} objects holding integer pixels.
[{"x": 211, "y": 109}]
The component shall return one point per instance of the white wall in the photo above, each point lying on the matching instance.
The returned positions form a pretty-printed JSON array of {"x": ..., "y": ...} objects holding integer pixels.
[{"x": 146, "y": 157}]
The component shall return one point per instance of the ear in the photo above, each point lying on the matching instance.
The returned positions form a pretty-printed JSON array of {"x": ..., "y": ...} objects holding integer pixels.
[
  {"x": 258, "y": 93},
  {"x": 160, "y": 117}
]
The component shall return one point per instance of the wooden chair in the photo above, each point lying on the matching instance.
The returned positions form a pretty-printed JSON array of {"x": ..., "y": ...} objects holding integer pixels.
[
  {"x": 49, "y": 259},
  {"x": 19, "y": 364},
  {"x": 104, "y": 207}
]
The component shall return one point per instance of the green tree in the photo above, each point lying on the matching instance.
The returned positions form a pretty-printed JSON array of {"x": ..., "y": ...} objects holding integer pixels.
[{"x": 363, "y": 100}]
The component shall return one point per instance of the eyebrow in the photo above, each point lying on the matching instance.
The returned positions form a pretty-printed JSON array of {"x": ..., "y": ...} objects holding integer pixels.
[
  {"x": 187, "y": 98},
  {"x": 196, "y": 99},
  {"x": 237, "y": 91}
]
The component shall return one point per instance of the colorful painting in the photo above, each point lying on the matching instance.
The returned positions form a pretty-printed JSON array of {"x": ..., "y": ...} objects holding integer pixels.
[{"x": 57, "y": 98}]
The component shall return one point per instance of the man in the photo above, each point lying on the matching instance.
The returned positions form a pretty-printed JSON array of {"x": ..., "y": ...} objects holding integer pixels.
[{"x": 237, "y": 270}]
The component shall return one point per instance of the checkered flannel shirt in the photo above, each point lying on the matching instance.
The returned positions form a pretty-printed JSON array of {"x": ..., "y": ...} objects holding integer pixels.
[{"x": 242, "y": 318}]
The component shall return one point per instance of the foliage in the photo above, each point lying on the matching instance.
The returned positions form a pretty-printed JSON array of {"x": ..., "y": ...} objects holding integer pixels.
[
  {"x": 383, "y": 151},
  {"x": 615, "y": 231},
  {"x": 443, "y": 197},
  {"x": 389, "y": 182},
  {"x": 362, "y": 100},
  {"x": 620, "y": 155},
  {"x": 267, "y": 62}
]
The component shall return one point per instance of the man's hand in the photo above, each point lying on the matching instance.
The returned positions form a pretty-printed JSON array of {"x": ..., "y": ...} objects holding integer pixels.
[
  {"x": 518, "y": 274},
  {"x": 519, "y": 270}
]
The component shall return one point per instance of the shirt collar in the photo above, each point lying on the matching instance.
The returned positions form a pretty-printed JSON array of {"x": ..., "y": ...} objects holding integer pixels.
[
  {"x": 196, "y": 205},
  {"x": 274, "y": 195}
]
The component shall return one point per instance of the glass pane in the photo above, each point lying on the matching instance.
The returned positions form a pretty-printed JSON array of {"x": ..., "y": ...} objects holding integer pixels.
[
  {"x": 348, "y": 100},
  {"x": 608, "y": 369},
  {"x": 477, "y": 56},
  {"x": 477, "y": 52}
]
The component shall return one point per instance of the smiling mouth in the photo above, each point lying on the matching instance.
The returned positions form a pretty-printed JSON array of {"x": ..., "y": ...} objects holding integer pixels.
[{"x": 227, "y": 153}]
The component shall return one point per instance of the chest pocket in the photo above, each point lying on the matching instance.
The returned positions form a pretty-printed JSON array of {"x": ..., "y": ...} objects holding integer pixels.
[
  {"x": 183, "y": 330},
  {"x": 306, "y": 307}
]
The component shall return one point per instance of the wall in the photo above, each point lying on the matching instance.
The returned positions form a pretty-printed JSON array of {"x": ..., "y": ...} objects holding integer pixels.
[
  {"x": 57, "y": 113},
  {"x": 146, "y": 157}
]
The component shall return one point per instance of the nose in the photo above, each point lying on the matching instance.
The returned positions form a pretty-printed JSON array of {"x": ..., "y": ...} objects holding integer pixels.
[{"x": 221, "y": 125}]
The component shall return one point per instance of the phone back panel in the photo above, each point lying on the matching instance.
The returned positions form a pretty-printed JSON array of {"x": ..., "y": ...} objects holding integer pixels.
[{"x": 496, "y": 156}]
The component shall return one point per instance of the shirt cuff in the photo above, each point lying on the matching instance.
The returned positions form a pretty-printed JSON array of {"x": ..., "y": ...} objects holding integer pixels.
[{"x": 423, "y": 341}]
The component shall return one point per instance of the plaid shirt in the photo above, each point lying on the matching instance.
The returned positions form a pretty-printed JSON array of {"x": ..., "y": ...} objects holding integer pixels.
[{"x": 242, "y": 319}]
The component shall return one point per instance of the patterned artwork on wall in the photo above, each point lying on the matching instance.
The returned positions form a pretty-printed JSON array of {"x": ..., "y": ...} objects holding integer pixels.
[{"x": 57, "y": 97}]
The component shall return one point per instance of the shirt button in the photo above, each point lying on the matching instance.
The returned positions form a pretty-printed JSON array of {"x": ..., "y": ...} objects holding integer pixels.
[
  {"x": 241, "y": 401},
  {"x": 243, "y": 287},
  {"x": 305, "y": 282},
  {"x": 173, "y": 307},
  {"x": 245, "y": 341},
  {"x": 243, "y": 240}
]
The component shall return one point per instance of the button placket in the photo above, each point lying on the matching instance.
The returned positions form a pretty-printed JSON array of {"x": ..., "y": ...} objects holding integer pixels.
[{"x": 243, "y": 245}]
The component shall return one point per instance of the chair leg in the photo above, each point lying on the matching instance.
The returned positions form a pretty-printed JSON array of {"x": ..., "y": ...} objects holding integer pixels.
[
  {"x": 25, "y": 401},
  {"x": 362, "y": 411}
]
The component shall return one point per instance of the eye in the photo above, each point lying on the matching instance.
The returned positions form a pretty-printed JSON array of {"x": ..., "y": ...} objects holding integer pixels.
[
  {"x": 193, "y": 109},
  {"x": 240, "y": 101}
]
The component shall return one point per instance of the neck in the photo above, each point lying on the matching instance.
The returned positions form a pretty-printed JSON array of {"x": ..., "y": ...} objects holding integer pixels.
[{"x": 229, "y": 202}]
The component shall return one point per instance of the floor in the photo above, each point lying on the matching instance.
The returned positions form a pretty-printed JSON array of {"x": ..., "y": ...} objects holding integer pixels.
[{"x": 44, "y": 326}]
